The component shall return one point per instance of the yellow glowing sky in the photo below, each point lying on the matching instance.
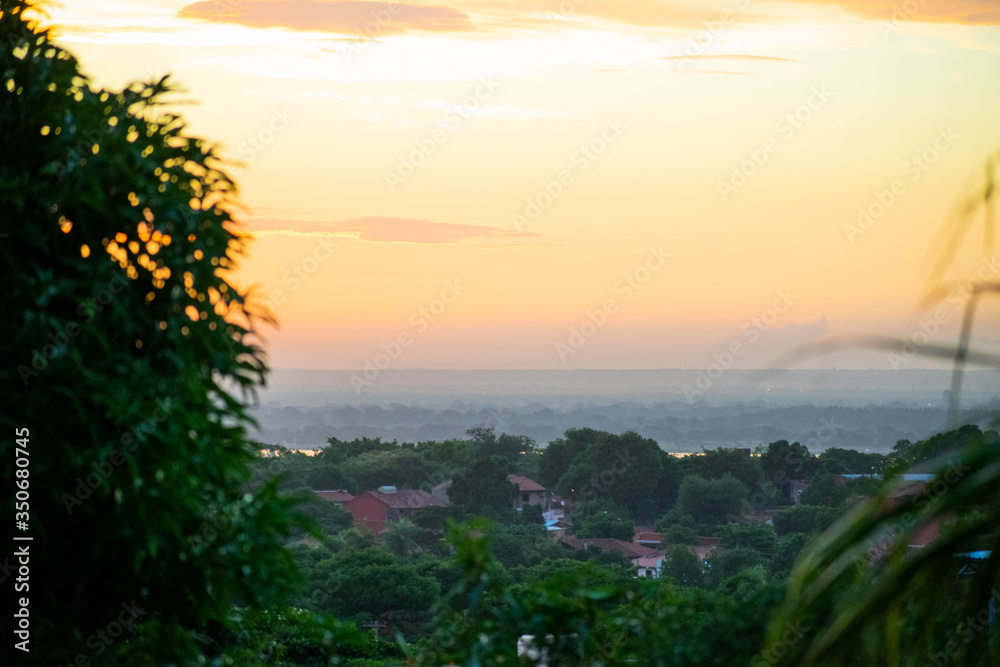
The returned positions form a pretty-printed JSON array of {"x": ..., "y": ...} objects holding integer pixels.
[{"x": 333, "y": 112}]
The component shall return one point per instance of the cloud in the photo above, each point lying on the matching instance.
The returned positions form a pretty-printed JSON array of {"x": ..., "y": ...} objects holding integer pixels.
[
  {"x": 383, "y": 230},
  {"x": 982, "y": 12},
  {"x": 343, "y": 16}
]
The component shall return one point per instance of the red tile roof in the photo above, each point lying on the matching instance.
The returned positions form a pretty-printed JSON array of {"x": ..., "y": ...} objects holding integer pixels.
[
  {"x": 407, "y": 499},
  {"x": 648, "y": 537},
  {"x": 627, "y": 549},
  {"x": 525, "y": 484},
  {"x": 335, "y": 496}
]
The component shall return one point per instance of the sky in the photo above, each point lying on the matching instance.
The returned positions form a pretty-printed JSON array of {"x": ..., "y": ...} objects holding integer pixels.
[{"x": 584, "y": 183}]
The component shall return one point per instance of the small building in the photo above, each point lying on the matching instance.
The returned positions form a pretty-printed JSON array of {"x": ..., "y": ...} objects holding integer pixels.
[
  {"x": 646, "y": 560},
  {"x": 557, "y": 507},
  {"x": 529, "y": 492},
  {"x": 339, "y": 497},
  {"x": 556, "y": 527},
  {"x": 375, "y": 509},
  {"x": 648, "y": 539}
]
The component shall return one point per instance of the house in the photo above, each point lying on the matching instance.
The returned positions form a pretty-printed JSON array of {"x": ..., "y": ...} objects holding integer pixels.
[
  {"x": 374, "y": 509},
  {"x": 914, "y": 494},
  {"x": 529, "y": 492},
  {"x": 340, "y": 497},
  {"x": 648, "y": 539},
  {"x": 557, "y": 507},
  {"x": 648, "y": 561},
  {"x": 556, "y": 527}
]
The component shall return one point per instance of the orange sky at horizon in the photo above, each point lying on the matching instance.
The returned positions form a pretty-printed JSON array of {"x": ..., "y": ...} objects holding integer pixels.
[{"x": 580, "y": 183}]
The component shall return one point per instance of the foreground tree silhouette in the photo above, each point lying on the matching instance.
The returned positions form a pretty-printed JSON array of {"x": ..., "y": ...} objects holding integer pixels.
[{"x": 123, "y": 347}]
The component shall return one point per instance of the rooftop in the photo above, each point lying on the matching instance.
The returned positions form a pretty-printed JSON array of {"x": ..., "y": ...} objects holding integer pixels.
[{"x": 524, "y": 484}]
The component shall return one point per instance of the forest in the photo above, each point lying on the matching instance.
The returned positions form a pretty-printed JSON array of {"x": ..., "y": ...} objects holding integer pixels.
[{"x": 428, "y": 584}]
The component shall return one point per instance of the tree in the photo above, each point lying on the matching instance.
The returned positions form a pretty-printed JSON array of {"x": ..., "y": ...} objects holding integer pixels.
[
  {"x": 400, "y": 537},
  {"x": 678, "y": 534},
  {"x": 711, "y": 501},
  {"x": 327, "y": 516},
  {"x": 559, "y": 455},
  {"x": 906, "y": 455},
  {"x": 128, "y": 356},
  {"x": 607, "y": 525},
  {"x": 628, "y": 469},
  {"x": 759, "y": 537},
  {"x": 675, "y": 518},
  {"x": 714, "y": 463},
  {"x": 370, "y": 583},
  {"x": 515, "y": 450},
  {"x": 338, "y": 451},
  {"x": 804, "y": 519},
  {"x": 329, "y": 478},
  {"x": 400, "y": 467},
  {"x": 683, "y": 567},
  {"x": 784, "y": 463},
  {"x": 484, "y": 488},
  {"x": 849, "y": 461},
  {"x": 823, "y": 490}
]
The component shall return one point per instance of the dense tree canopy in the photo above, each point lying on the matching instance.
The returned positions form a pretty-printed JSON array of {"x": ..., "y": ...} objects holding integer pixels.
[
  {"x": 714, "y": 463},
  {"x": 627, "y": 469},
  {"x": 484, "y": 488},
  {"x": 711, "y": 501},
  {"x": 783, "y": 463}
]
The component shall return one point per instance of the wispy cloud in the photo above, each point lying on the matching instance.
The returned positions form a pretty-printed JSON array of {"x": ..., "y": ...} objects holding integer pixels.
[
  {"x": 383, "y": 230},
  {"x": 342, "y": 16},
  {"x": 983, "y": 12}
]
